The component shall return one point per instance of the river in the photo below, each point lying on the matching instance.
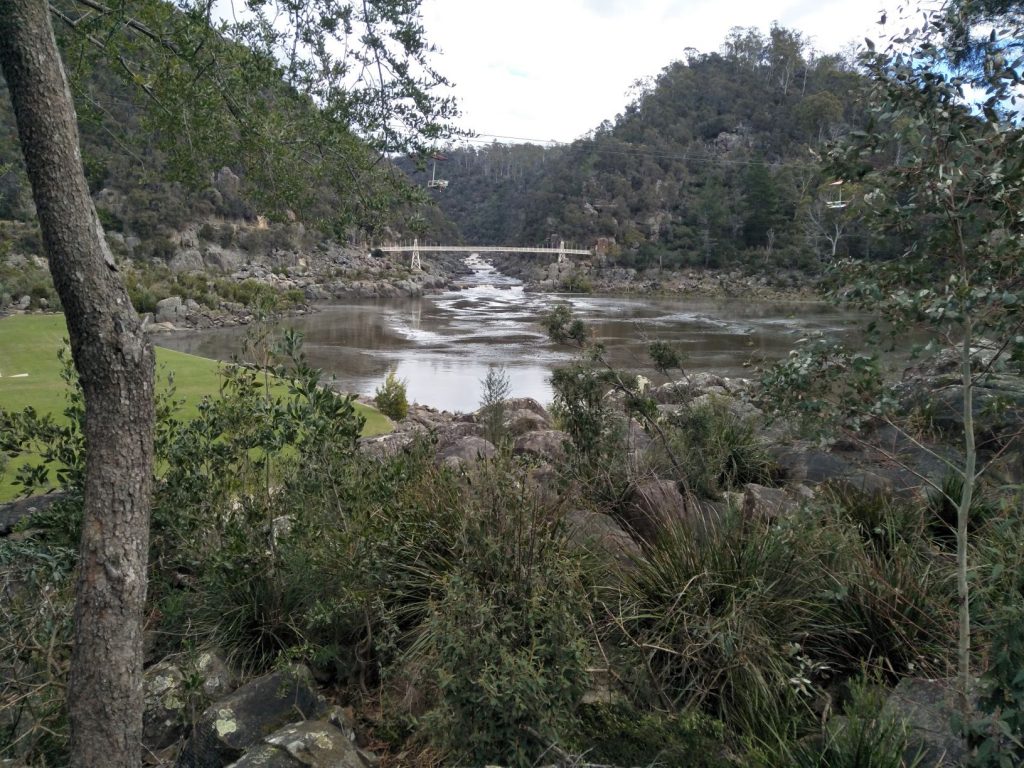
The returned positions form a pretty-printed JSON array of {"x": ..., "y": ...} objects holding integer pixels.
[{"x": 443, "y": 345}]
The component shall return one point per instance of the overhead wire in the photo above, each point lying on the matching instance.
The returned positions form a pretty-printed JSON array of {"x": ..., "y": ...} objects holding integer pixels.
[{"x": 487, "y": 140}]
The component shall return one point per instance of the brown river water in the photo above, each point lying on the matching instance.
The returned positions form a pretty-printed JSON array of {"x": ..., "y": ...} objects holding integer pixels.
[{"x": 443, "y": 345}]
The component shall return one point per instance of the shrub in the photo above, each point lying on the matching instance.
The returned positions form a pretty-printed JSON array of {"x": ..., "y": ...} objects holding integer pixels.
[
  {"x": 390, "y": 398},
  {"x": 506, "y": 640},
  {"x": 492, "y": 403},
  {"x": 716, "y": 449},
  {"x": 865, "y": 736},
  {"x": 617, "y": 733},
  {"x": 35, "y": 647}
]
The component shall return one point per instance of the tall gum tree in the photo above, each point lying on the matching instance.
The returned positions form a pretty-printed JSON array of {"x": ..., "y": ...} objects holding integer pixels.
[
  {"x": 341, "y": 70},
  {"x": 115, "y": 366}
]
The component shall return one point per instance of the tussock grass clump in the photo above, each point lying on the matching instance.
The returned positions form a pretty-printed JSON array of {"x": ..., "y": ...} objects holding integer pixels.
[
  {"x": 751, "y": 623},
  {"x": 717, "y": 450},
  {"x": 865, "y": 735},
  {"x": 719, "y": 618}
]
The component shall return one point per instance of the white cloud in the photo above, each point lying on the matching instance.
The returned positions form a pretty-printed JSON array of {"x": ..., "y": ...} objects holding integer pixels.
[{"x": 554, "y": 69}]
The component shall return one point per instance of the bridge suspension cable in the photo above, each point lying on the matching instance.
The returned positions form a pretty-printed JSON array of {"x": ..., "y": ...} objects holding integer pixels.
[{"x": 416, "y": 249}]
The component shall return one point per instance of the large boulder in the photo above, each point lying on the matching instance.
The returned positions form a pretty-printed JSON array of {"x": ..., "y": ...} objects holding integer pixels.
[
  {"x": 527, "y": 404},
  {"x": 465, "y": 450},
  {"x": 545, "y": 444},
  {"x": 928, "y": 708},
  {"x": 523, "y": 420},
  {"x": 230, "y": 726},
  {"x": 651, "y": 506},
  {"x": 766, "y": 504},
  {"x": 312, "y": 744},
  {"x": 387, "y": 446},
  {"x": 600, "y": 535},
  {"x": 170, "y": 310}
]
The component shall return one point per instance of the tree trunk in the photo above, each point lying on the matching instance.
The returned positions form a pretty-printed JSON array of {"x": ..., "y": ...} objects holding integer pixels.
[
  {"x": 115, "y": 366},
  {"x": 962, "y": 518}
]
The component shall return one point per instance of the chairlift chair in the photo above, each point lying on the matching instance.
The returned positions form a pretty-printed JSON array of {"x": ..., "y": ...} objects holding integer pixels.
[
  {"x": 835, "y": 198},
  {"x": 436, "y": 183}
]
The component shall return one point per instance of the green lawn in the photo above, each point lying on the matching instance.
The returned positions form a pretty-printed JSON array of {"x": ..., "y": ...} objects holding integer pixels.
[{"x": 30, "y": 374}]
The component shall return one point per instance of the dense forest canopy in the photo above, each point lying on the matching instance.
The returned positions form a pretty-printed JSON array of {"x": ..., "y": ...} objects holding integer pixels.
[
  {"x": 711, "y": 164},
  {"x": 168, "y": 97}
]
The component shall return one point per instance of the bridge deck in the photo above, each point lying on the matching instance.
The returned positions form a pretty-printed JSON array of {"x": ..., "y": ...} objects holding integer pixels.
[{"x": 482, "y": 249}]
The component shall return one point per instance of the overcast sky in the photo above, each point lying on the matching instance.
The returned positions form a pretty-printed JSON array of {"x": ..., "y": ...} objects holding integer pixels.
[{"x": 554, "y": 69}]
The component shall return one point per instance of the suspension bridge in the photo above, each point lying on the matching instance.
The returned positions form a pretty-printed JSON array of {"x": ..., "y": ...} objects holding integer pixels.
[{"x": 416, "y": 249}]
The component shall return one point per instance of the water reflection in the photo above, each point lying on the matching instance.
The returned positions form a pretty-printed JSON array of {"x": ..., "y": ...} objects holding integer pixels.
[{"x": 444, "y": 345}]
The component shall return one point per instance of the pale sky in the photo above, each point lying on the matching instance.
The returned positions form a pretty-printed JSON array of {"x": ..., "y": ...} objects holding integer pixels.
[{"x": 554, "y": 69}]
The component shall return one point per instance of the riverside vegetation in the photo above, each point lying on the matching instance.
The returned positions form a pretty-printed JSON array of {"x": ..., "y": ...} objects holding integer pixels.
[
  {"x": 656, "y": 587},
  {"x": 701, "y": 573}
]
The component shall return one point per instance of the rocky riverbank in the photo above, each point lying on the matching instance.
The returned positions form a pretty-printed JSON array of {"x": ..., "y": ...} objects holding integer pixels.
[
  {"x": 304, "y": 278},
  {"x": 595, "y": 277}
]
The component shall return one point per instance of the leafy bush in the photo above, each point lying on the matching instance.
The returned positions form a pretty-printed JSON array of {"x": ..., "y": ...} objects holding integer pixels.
[
  {"x": 35, "y": 647},
  {"x": 390, "y": 398},
  {"x": 865, "y": 736},
  {"x": 506, "y": 639}
]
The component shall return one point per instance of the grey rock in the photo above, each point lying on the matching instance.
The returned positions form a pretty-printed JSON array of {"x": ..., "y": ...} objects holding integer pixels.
[
  {"x": 386, "y": 446},
  {"x": 466, "y": 450},
  {"x": 230, "y": 726},
  {"x": 187, "y": 260},
  {"x": 223, "y": 260},
  {"x": 546, "y": 444},
  {"x": 767, "y": 504},
  {"x": 23, "y": 303},
  {"x": 218, "y": 678},
  {"x": 170, "y": 310},
  {"x": 11, "y": 513},
  {"x": 314, "y": 744},
  {"x": 527, "y": 404},
  {"x": 164, "y": 701},
  {"x": 521, "y": 421},
  {"x": 600, "y": 534},
  {"x": 651, "y": 506},
  {"x": 928, "y": 707}
]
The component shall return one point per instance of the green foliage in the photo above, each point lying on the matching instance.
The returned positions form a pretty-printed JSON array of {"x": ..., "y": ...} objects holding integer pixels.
[
  {"x": 718, "y": 618},
  {"x": 496, "y": 388},
  {"x": 707, "y": 166},
  {"x": 506, "y": 639},
  {"x": 749, "y": 622},
  {"x": 620, "y": 734},
  {"x": 717, "y": 450},
  {"x": 824, "y": 384},
  {"x": 996, "y": 729},
  {"x": 391, "y": 399},
  {"x": 35, "y": 645},
  {"x": 149, "y": 283},
  {"x": 997, "y": 732},
  {"x": 943, "y": 507},
  {"x": 864, "y": 736}
]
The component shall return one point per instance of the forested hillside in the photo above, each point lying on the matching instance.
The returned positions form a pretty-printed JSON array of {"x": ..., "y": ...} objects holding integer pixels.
[
  {"x": 163, "y": 152},
  {"x": 712, "y": 164}
]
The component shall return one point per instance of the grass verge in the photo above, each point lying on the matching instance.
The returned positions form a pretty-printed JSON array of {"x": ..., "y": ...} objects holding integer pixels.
[{"x": 30, "y": 376}]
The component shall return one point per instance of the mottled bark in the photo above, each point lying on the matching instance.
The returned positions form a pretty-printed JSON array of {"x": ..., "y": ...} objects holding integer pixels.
[{"x": 115, "y": 365}]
